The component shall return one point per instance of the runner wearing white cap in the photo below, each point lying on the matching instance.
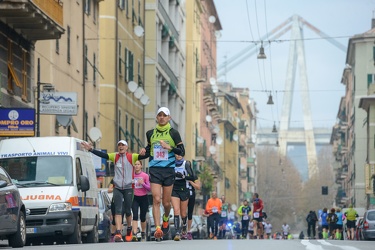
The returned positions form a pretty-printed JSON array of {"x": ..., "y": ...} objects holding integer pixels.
[{"x": 163, "y": 142}]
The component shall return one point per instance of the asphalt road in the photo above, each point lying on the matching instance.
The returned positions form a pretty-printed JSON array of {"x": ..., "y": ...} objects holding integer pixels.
[{"x": 218, "y": 245}]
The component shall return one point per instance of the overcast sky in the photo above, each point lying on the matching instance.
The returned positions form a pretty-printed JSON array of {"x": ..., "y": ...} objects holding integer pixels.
[{"x": 244, "y": 22}]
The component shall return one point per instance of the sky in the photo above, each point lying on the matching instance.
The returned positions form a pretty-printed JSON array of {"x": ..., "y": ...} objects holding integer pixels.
[{"x": 244, "y": 22}]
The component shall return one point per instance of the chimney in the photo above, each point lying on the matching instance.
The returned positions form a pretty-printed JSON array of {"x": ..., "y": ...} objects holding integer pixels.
[{"x": 372, "y": 23}]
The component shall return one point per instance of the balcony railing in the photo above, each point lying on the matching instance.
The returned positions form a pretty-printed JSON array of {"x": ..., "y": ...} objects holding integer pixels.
[{"x": 33, "y": 19}]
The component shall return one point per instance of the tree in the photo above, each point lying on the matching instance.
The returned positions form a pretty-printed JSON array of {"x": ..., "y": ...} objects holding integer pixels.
[{"x": 207, "y": 181}]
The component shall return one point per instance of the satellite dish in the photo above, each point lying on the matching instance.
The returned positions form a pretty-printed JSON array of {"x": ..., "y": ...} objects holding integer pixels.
[
  {"x": 212, "y": 149},
  {"x": 139, "y": 31},
  {"x": 139, "y": 92},
  {"x": 233, "y": 207},
  {"x": 215, "y": 89},
  {"x": 132, "y": 86},
  {"x": 219, "y": 140},
  {"x": 217, "y": 34},
  {"x": 238, "y": 120},
  {"x": 200, "y": 139},
  {"x": 64, "y": 120},
  {"x": 145, "y": 100},
  {"x": 95, "y": 134},
  {"x": 208, "y": 118},
  {"x": 219, "y": 102},
  {"x": 216, "y": 129},
  {"x": 235, "y": 137},
  {"x": 212, "y": 19},
  {"x": 212, "y": 81}
]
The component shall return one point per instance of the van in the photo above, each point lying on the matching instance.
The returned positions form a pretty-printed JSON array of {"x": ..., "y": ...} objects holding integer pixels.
[{"x": 57, "y": 182}]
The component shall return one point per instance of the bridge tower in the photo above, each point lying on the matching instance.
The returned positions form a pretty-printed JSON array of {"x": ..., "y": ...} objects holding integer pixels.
[{"x": 297, "y": 56}]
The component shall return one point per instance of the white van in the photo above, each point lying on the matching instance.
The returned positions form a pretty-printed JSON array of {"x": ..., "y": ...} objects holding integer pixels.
[{"x": 57, "y": 181}]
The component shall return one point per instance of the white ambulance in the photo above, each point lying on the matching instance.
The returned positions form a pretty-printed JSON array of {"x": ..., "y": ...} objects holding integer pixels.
[{"x": 57, "y": 182}]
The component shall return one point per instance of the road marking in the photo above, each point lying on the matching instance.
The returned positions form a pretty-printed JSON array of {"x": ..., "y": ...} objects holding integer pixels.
[{"x": 323, "y": 242}]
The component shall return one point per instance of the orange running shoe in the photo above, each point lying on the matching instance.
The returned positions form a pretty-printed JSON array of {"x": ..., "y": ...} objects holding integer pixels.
[
  {"x": 118, "y": 238},
  {"x": 165, "y": 227},
  {"x": 129, "y": 234},
  {"x": 158, "y": 233}
]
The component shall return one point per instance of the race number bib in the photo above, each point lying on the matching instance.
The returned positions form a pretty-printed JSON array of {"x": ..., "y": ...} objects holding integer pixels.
[
  {"x": 160, "y": 153},
  {"x": 246, "y": 217},
  {"x": 256, "y": 215},
  {"x": 215, "y": 210},
  {"x": 137, "y": 184},
  {"x": 223, "y": 213}
]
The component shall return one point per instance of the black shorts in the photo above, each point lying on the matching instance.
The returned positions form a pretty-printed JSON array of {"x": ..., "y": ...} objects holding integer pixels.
[
  {"x": 259, "y": 219},
  {"x": 350, "y": 224},
  {"x": 162, "y": 176},
  {"x": 182, "y": 194}
]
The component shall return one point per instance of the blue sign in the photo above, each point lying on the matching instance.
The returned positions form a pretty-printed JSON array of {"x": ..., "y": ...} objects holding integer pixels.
[{"x": 17, "y": 122}]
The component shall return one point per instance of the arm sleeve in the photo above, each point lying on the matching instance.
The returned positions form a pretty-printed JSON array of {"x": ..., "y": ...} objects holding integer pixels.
[
  {"x": 100, "y": 154},
  {"x": 146, "y": 183},
  {"x": 177, "y": 140},
  {"x": 190, "y": 175}
]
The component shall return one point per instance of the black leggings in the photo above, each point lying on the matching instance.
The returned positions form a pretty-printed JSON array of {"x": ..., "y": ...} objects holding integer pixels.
[
  {"x": 191, "y": 205},
  {"x": 140, "y": 202}
]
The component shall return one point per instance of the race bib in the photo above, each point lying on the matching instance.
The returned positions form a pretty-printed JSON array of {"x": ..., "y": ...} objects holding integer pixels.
[
  {"x": 137, "y": 184},
  {"x": 223, "y": 213},
  {"x": 256, "y": 215},
  {"x": 246, "y": 217},
  {"x": 215, "y": 210},
  {"x": 160, "y": 153}
]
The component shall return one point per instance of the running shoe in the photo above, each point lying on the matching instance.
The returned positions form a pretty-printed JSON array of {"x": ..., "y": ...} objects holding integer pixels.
[
  {"x": 118, "y": 238},
  {"x": 183, "y": 235},
  {"x": 158, "y": 233},
  {"x": 165, "y": 227},
  {"x": 211, "y": 235},
  {"x": 177, "y": 237},
  {"x": 134, "y": 238},
  {"x": 129, "y": 234},
  {"x": 143, "y": 237},
  {"x": 112, "y": 238},
  {"x": 189, "y": 236},
  {"x": 215, "y": 238}
]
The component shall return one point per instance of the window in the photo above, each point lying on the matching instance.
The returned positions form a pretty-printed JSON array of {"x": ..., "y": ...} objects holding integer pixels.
[
  {"x": 57, "y": 49},
  {"x": 87, "y": 6},
  {"x": 126, "y": 62},
  {"x": 94, "y": 70},
  {"x": 132, "y": 134},
  {"x": 370, "y": 79},
  {"x": 68, "y": 44},
  {"x": 121, "y": 4},
  {"x": 4, "y": 176},
  {"x": 85, "y": 62},
  {"x": 119, "y": 58},
  {"x": 131, "y": 66}
]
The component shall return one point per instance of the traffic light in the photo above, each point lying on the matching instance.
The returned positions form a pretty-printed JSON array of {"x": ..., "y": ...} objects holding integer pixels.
[{"x": 324, "y": 190}]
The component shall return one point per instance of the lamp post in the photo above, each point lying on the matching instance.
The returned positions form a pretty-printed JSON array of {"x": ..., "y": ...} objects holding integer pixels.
[{"x": 50, "y": 88}]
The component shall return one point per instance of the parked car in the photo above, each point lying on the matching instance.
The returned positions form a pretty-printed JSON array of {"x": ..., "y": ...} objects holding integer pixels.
[
  {"x": 104, "y": 216},
  {"x": 199, "y": 227},
  {"x": 12, "y": 212},
  {"x": 368, "y": 229},
  {"x": 151, "y": 225}
]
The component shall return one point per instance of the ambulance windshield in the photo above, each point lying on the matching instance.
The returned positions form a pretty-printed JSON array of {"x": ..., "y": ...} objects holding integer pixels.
[{"x": 39, "y": 170}]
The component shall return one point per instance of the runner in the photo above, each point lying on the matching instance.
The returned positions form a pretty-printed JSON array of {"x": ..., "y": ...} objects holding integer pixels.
[
  {"x": 268, "y": 229},
  {"x": 123, "y": 184},
  {"x": 163, "y": 142},
  {"x": 180, "y": 195},
  {"x": 223, "y": 218},
  {"x": 257, "y": 216},
  {"x": 140, "y": 201},
  {"x": 285, "y": 228},
  {"x": 244, "y": 212},
  {"x": 213, "y": 207},
  {"x": 192, "y": 185},
  {"x": 351, "y": 218}
]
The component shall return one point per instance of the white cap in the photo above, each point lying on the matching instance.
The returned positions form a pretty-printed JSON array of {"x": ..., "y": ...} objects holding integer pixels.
[
  {"x": 123, "y": 142},
  {"x": 164, "y": 110}
]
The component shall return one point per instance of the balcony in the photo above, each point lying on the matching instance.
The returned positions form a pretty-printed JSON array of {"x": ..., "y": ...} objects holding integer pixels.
[{"x": 33, "y": 19}]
